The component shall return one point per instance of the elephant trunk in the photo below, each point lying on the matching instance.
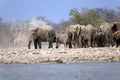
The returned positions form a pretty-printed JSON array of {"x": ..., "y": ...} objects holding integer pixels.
[{"x": 29, "y": 43}]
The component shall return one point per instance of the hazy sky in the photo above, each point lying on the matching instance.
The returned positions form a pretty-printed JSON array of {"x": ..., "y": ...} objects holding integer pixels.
[{"x": 54, "y": 10}]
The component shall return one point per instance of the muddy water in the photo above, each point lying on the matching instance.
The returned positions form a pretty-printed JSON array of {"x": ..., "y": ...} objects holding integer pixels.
[{"x": 69, "y": 71}]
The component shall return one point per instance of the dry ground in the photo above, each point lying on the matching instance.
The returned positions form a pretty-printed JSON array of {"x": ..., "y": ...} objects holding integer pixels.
[{"x": 23, "y": 55}]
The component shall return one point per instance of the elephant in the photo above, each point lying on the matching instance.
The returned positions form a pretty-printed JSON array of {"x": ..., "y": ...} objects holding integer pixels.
[
  {"x": 116, "y": 37},
  {"x": 41, "y": 34},
  {"x": 73, "y": 35},
  {"x": 100, "y": 39},
  {"x": 81, "y": 35},
  {"x": 86, "y": 36},
  {"x": 109, "y": 29},
  {"x": 62, "y": 39}
]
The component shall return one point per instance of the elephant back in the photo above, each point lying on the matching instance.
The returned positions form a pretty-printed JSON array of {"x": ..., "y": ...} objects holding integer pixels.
[
  {"x": 87, "y": 31},
  {"x": 71, "y": 29},
  {"x": 62, "y": 38},
  {"x": 105, "y": 27}
]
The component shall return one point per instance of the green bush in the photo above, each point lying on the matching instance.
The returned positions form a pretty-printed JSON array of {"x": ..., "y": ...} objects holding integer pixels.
[{"x": 59, "y": 61}]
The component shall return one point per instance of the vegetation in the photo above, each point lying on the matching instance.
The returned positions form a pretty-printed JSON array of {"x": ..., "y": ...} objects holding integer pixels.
[
  {"x": 59, "y": 61},
  {"x": 93, "y": 16}
]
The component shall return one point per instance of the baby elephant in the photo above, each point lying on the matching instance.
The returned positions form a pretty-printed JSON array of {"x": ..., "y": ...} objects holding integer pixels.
[
  {"x": 116, "y": 38},
  {"x": 62, "y": 39}
]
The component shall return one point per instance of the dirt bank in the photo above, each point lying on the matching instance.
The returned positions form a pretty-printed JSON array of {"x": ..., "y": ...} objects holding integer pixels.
[{"x": 23, "y": 55}]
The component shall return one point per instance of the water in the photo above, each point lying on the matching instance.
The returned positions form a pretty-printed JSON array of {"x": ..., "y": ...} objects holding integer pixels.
[{"x": 50, "y": 71}]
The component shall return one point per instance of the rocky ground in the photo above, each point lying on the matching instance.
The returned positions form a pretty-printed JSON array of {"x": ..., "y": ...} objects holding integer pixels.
[{"x": 23, "y": 55}]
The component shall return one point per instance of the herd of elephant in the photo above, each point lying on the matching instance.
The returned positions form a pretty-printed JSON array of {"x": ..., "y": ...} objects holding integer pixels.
[{"x": 77, "y": 36}]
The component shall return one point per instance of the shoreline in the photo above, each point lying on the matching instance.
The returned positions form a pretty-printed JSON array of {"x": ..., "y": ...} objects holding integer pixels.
[{"x": 27, "y": 56}]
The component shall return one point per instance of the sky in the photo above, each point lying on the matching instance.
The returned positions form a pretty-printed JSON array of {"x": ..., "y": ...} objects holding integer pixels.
[{"x": 53, "y": 10}]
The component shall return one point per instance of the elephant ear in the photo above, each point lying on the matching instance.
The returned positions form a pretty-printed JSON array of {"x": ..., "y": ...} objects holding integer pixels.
[
  {"x": 114, "y": 27},
  {"x": 78, "y": 30},
  {"x": 34, "y": 31}
]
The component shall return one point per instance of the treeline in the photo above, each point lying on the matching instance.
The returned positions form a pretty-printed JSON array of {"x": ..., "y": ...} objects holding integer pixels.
[{"x": 92, "y": 16}]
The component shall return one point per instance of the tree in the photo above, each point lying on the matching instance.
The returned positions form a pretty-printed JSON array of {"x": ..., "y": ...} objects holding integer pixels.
[
  {"x": 75, "y": 15},
  {"x": 108, "y": 14},
  {"x": 87, "y": 16}
]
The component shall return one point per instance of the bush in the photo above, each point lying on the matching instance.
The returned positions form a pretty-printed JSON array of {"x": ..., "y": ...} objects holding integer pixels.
[{"x": 59, "y": 61}]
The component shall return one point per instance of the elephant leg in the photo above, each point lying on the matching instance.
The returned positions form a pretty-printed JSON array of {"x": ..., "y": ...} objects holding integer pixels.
[
  {"x": 75, "y": 45},
  {"x": 39, "y": 44},
  {"x": 92, "y": 43},
  {"x": 65, "y": 45},
  {"x": 99, "y": 44},
  {"x": 106, "y": 43},
  {"x": 57, "y": 45},
  {"x": 87, "y": 43},
  {"x": 102, "y": 44},
  {"x": 117, "y": 42},
  {"x": 109, "y": 41},
  {"x": 70, "y": 45},
  {"x": 113, "y": 43},
  {"x": 35, "y": 43},
  {"x": 50, "y": 44},
  {"x": 82, "y": 43},
  {"x": 29, "y": 43}
]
